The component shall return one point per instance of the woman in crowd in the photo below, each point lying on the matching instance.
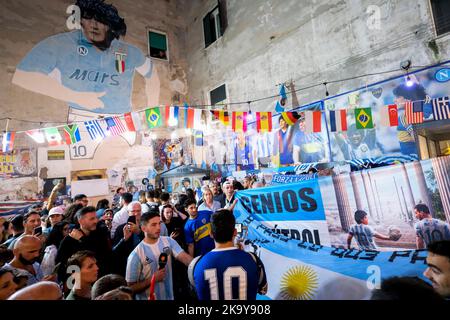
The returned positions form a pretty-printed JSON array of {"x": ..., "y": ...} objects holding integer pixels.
[
  {"x": 209, "y": 203},
  {"x": 59, "y": 231},
  {"x": 175, "y": 225}
]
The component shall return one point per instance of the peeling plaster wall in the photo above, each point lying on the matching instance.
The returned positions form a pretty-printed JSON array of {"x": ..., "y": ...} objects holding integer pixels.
[{"x": 270, "y": 42}]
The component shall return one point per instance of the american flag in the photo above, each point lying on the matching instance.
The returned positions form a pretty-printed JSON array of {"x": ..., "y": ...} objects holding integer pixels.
[
  {"x": 441, "y": 108},
  {"x": 115, "y": 125},
  {"x": 414, "y": 112},
  {"x": 94, "y": 129}
]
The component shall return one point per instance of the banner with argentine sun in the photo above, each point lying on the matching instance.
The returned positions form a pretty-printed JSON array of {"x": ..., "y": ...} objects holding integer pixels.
[{"x": 300, "y": 270}]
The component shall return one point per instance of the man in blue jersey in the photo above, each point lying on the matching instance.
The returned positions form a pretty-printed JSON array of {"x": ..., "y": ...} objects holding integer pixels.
[
  {"x": 197, "y": 230},
  {"x": 227, "y": 273},
  {"x": 90, "y": 68},
  {"x": 143, "y": 261},
  {"x": 429, "y": 229}
]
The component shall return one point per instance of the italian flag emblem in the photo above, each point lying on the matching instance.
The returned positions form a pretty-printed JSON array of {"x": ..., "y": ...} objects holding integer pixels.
[{"x": 120, "y": 62}]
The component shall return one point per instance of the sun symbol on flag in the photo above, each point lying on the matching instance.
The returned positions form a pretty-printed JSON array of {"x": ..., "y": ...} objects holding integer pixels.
[{"x": 299, "y": 283}]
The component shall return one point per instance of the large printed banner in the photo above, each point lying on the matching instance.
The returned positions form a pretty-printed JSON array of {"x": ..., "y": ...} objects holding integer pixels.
[{"x": 300, "y": 230}]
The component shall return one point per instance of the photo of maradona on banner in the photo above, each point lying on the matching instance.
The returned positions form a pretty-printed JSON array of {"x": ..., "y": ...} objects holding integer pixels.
[{"x": 372, "y": 122}]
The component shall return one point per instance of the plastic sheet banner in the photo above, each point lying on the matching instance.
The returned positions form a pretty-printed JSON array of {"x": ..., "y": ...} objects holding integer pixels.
[{"x": 300, "y": 230}]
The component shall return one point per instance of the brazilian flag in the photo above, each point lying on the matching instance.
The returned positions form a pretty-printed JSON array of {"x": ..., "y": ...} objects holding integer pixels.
[
  {"x": 153, "y": 117},
  {"x": 363, "y": 118}
]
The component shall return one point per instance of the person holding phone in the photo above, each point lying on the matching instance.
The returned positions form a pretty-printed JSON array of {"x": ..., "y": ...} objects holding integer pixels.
[
  {"x": 128, "y": 235},
  {"x": 32, "y": 227}
]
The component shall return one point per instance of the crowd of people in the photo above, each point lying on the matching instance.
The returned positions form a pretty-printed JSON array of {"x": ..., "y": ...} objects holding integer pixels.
[{"x": 150, "y": 247}]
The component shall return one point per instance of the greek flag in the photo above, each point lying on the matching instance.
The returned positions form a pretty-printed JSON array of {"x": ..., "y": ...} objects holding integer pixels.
[{"x": 441, "y": 108}]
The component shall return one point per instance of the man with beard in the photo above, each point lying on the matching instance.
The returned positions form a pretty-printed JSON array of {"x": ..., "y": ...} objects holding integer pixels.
[
  {"x": 90, "y": 68},
  {"x": 25, "y": 262}
]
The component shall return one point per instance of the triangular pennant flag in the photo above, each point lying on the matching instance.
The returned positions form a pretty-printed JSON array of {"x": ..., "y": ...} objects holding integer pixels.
[
  {"x": 290, "y": 117},
  {"x": 313, "y": 121},
  {"x": 8, "y": 141},
  {"x": 72, "y": 133},
  {"x": 129, "y": 121},
  {"x": 94, "y": 129},
  {"x": 53, "y": 136},
  {"x": 389, "y": 116},
  {"x": 239, "y": 121},
  {"x": 264, "y": 121},
  {"x": 115, "y": 126},
  {"x": 37, "y": 135},
  {"x": 153, "y": 117},
  {"x": 363, "y": 118},
  {"x": 338, "y": 120}
]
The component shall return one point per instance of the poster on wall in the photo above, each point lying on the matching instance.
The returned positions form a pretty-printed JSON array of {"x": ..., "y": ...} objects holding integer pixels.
[
  {"x": 90, "y": 71},
  {"x": 18, "y": 163}
]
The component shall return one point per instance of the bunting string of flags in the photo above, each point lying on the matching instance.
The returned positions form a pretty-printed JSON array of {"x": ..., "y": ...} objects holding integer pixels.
[{"x": 158, "y": 116}]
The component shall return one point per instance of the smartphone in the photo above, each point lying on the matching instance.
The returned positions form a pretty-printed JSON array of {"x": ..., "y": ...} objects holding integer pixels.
[
  {"x": 37, "y": 230},
  {"x": 238, "y": 227},
  {"x": 132, "y": 219}
]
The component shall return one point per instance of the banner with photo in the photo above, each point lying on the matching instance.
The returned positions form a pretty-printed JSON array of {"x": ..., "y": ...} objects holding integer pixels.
[{"x": 322, "y": 210}]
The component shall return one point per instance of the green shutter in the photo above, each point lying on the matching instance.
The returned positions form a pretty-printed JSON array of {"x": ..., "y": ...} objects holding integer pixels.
[{"x": 158, "y": 41}]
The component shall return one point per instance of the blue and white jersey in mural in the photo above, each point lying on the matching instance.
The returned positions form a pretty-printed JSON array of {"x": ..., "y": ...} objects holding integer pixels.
[{"x": 80, "y": 66}]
